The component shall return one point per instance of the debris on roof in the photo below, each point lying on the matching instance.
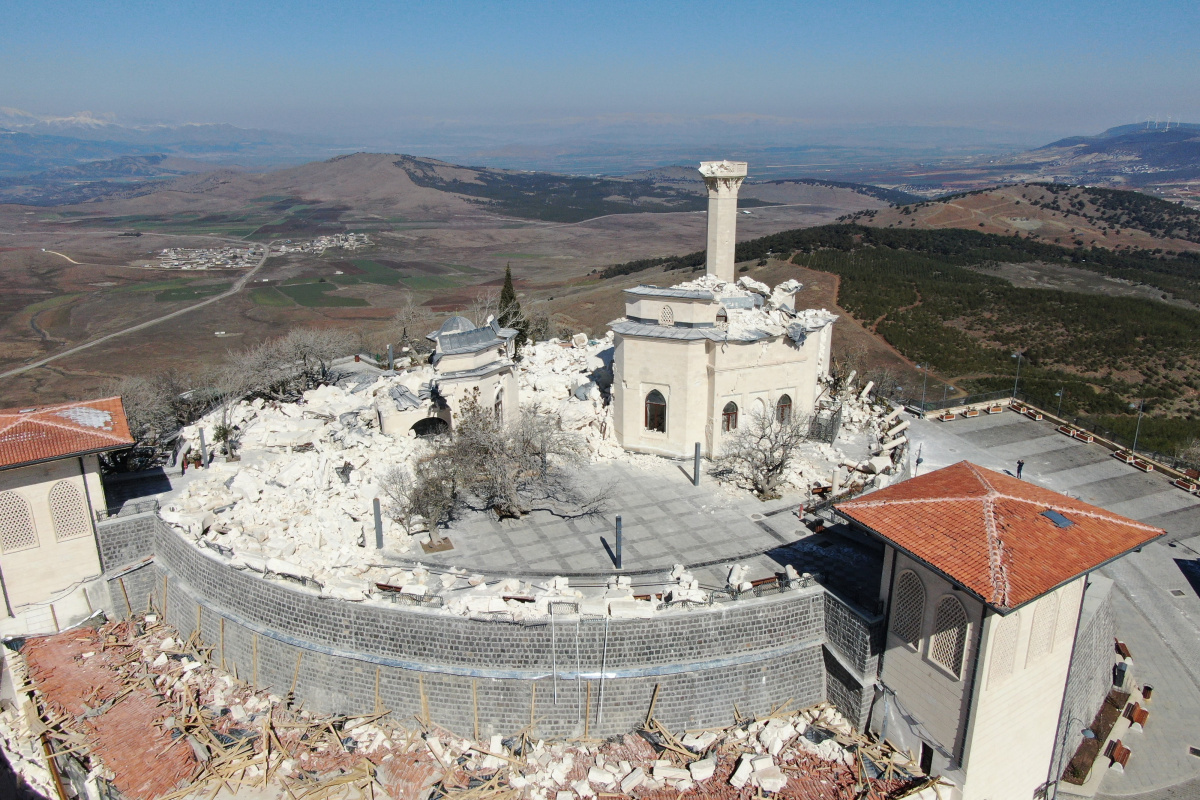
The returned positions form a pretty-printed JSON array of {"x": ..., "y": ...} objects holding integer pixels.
[{"x": 138, "y": 707}]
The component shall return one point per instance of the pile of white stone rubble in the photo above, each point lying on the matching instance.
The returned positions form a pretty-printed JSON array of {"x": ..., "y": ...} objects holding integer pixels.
[{"x": 772, "y": 312}]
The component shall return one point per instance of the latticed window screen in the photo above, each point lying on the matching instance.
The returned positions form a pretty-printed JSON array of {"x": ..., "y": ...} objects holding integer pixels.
[
  {"x": 949, "y": 635},
  {"x": 16, "y": 523},
  {"x": 667, "y": 317},
  {"x": 1041, "y": 638},
  {"x": 66, "y": 508},
  {"x": 908, "y": 608},
  {"x": 1004, "y": 651}
]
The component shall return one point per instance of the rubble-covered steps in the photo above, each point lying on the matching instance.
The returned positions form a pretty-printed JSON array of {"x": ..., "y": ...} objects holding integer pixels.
[{"x": 754, "y": 654}]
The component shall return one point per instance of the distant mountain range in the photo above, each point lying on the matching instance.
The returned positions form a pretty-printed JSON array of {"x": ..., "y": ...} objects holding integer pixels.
[{"x": 1132, "y": 154}]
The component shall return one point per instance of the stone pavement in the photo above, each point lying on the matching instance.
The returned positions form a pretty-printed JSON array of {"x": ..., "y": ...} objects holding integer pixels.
[{"x": 1157, "y": 594}]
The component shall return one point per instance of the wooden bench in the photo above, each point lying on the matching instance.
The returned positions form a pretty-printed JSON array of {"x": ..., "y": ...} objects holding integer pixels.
[
  {"x": 946, "y": 416},
  {"x": 1144, "y": 466},
  {"x": 995, "y": 409},
  {"x": 1123, "y": 649},
  {"x": 1067, "y": 429},
  {"x": 1083, "y": 436},
  {"x": 1124, "y": 455},
  {"x": 1034, "y": 415},
  {"x": 971, "y": 412},
  {"x": 821, "y": 491},
  {"x": 1188, "y": 486},
  {"x": 1136, "y": 714},
  {"x": 1119, "y": 754}
]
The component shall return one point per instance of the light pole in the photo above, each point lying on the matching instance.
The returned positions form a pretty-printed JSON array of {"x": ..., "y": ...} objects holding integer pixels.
[
  {"x": 1061, "y": 392},
  {"x": 1018, "y": 356},
  {"x": 924, "y": 382},
  {"x": 1140, "y": 407},
  {"x": 1087, "y": 734}
]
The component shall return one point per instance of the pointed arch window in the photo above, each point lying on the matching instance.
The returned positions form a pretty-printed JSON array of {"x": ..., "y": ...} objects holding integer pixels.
[
  {"x": 16, "y": 523},
  {"x": 67, "y": 511},
  {"x": 1041, "y": 637},
  {"x": 1004, "y": 651},
  {"x": 783, "y": 409},
  {"x": 723, "y": 319},
  {"x": 656, "y": 412},
  {"x": 949, "y": 641},
  {"x": 666, "y": 317},
  {"x": 908, "y": 608},
  {"x": 729, "y": 417}
]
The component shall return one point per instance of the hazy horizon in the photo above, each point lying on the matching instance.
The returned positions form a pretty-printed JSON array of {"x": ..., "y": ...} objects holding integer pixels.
[{"x": 486, "y": 74}]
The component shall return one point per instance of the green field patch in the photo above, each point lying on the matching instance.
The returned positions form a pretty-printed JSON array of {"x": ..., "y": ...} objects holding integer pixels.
[
  {"x": 314, "y": 295},
  {"x": 152, "y": 286},
  {"x": 269, "y": 296},
  {"x": 374, "y": 272},
  {"x": 428, "y": 282},
  {"x": 345, "y": 280},
  {"x": 49, "y": 302},
  {"x": 183, "y": 293}
]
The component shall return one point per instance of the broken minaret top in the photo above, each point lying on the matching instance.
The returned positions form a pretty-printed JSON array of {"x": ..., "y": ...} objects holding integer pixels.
[{"x": 723, "y": 178}]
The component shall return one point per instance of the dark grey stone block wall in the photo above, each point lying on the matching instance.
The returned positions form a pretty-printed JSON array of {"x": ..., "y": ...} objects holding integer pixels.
[
  {"x": 847, "y": 694},
  {"x": 857, "y": 636},
  {"x": 124, "y": 540},
  {"x": 344, "y": 657},
  {"x": 1090, "y": 677}
]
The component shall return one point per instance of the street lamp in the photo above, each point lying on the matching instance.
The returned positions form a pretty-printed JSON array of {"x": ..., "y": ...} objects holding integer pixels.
[
  {"x": 1018, "y": 356},
  {"x": 1059, "y": 394},
  {"x": 1087, "y": 733},
  {"x": 1140, "y": 407},
  {"x": 924, "y": 381}
]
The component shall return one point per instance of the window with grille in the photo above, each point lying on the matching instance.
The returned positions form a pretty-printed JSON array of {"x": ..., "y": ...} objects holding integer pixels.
[
  {"x": 67, "y": 511},
  {"x": 1041, "y": 638},
  {"x": 16, "y": 523},
  {"x": 949, "y": 641},
  {"x": 908, "y": 608},
  {"x": 729, "y": 417},
  {"x": 1004, "y": 651},
  {"x": 722, "y": 320},
  {"x": 656, "y": 412},
  {"x": 783, "y": 409},
  {"x": 667, "y": 317}
]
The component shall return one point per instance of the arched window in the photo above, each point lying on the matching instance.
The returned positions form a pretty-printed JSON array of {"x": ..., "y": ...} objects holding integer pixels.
[
  {"x": 67, "y": 511},
  {"x": 666, "y": 317},
  {"x": 1041, "y": 637},
  {"x": 949, "y": 641},
  {"x": 723, "y": 319},
  {"x": 908, "y": 608},
  {"x": 656, "y": 412},
  {"x": 729, "y": 417},
  {"x": 1068, "y": 604},
  {"x": 16, "y": 524},
  {"x": 1004, "y": 651},
  {"x": 783, "y": 409}
]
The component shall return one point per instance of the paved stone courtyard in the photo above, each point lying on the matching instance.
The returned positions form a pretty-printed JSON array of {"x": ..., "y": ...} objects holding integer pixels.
[{"x": 1157, "y": 591}]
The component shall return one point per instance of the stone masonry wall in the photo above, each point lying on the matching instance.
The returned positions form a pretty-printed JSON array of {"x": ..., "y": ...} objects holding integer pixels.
[
  {"x": 124, "y": 540},
  {"x": 1090, "y": 676},
  {"x": 855, "y": 639},
  {"x": 347, "y": 657}
]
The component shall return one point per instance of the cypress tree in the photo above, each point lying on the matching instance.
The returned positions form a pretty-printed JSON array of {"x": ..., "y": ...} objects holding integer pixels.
[{"x": 510, "y": 307}]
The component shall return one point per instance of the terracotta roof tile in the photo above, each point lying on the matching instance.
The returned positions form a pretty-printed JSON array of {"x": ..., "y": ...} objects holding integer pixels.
[
  {"x": 988, "y": 531},
  {"x": 38, "y": 433}
]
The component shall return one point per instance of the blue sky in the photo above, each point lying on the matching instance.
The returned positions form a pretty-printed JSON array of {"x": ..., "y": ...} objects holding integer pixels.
[{"x": 363, "y": 68}]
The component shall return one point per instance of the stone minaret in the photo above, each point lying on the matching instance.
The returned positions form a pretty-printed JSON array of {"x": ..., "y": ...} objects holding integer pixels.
[{"x": 723, "y": 178}]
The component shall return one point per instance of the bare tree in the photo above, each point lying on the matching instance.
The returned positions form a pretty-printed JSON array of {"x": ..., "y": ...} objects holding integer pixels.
[
  {"x": 508, "y": 469},
  {"x": 484, "y": 305},
  {"x": 155, "y": 406},
  {"x": 760, "y": 451},
  {"x": 411, "y": 324}
]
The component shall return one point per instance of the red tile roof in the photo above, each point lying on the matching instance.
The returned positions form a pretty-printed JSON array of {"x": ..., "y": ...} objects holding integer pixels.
[
  {"x": 987, "y": 531},
  {"x": 40, "y": 433}
]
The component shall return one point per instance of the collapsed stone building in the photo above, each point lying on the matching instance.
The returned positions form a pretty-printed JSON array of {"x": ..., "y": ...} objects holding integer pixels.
[{"x": 941, "y": 611}]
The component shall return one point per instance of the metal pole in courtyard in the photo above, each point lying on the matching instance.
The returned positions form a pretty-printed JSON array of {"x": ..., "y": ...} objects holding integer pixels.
[
  {"x": 1061, "y": 391},
  {"x": 378, "y": 524},
  {"x": 924, "y": 382},
  {"x": 391, "y": 359},
  {"x": 696, "y": 467},
  {"x": 1018, "y": 356},
  {"x": 1141, "y": 406},
  {"x": 203, "y": 450},
  {"x": 619, "y": 542}
]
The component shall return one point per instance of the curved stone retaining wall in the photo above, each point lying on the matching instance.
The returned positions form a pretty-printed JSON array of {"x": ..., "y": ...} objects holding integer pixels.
[{"x": 345, "y": 657}]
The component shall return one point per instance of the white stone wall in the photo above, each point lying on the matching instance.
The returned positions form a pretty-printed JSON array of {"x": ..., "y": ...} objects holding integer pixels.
[
  {"x": 54, "y": 568},
  {"x": 676, "y": 368},
  {"x": 1016, "y": 712}
]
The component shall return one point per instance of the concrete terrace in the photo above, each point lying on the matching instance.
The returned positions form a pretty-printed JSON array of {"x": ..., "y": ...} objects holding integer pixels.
[{"x": 1156, "y": 596}]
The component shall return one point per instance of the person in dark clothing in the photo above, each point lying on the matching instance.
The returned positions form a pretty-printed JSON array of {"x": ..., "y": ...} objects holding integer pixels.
[{"x": 1020, "y": 467}]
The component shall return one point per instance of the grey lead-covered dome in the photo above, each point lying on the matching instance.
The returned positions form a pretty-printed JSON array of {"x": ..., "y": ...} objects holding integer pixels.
[{"x": 455, "y": 324}]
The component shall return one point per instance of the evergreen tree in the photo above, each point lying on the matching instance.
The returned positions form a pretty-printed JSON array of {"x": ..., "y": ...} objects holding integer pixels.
[{"x": 511, "y": 315}]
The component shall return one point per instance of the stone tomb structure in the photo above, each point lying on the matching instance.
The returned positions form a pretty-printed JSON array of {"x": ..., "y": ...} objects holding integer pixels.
[{"x": 694, "y": 360}]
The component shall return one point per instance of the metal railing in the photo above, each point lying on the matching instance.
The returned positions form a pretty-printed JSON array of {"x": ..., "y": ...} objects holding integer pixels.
[{"x": 127, "y": 510}]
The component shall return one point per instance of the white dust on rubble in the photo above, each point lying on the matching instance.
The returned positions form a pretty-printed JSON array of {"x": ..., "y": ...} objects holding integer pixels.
[{"x": 773, "y": 312}]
